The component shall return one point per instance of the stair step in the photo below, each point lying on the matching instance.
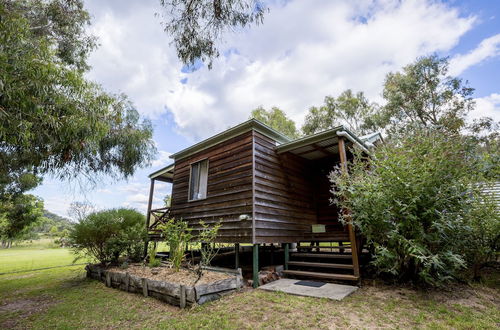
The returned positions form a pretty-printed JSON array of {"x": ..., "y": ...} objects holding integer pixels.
[
  {"x": 321, "y": 255},
  {"x": 323, "y": 247},
  {"x": 320, "y": 265},
  {"x": 344, "y": 277}
]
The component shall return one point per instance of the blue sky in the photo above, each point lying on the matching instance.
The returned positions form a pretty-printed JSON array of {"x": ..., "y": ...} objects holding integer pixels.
[{"x": 304, "y": 51}]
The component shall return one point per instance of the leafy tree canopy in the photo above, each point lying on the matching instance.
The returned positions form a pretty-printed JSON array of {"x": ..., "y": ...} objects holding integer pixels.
[
  {"x": 197, "y": 25},
  {"x": 276, "y": 119},
  {"x": 350, "y": 109},
  {"x": 53, "y": 120},
  {"x": 424, "y": 96},
  {"x": 50, "y": 220},
  {"x": 17, "y": 215}
]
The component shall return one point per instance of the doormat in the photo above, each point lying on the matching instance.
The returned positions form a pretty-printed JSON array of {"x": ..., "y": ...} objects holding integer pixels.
[{"x": 310, "y": 283}]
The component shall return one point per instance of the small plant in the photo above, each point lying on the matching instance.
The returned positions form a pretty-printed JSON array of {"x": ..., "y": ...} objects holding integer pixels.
[
  {"x": 177, "y": 235},
  {"x": 209, "y": 248},
  {"x": 124, "y": 265},
  {"x": 152, "y": 260}
]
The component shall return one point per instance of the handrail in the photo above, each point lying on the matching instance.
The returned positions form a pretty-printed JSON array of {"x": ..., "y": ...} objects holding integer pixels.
[{"x": 159, "y": 216}]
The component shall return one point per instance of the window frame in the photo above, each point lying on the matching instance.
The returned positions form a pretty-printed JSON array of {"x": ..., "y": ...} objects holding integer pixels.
[{"x": 191, "y": 175}]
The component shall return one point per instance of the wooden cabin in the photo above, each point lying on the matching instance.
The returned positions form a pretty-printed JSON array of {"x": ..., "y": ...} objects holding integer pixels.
[{"x": 267, "y": 189}]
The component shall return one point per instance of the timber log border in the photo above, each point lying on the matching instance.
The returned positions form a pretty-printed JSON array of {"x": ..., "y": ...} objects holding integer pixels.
[{"x": 171, "y": 293}]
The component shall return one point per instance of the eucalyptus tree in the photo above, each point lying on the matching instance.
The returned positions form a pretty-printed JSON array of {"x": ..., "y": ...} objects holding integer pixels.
[
  {"x": 353, "y": 110},
  {"x": 277, "y": 119},
  {"x": 54, "y": 121},
  {"x": 423, "y": 95},
  {"x": 196, "y": 26}
]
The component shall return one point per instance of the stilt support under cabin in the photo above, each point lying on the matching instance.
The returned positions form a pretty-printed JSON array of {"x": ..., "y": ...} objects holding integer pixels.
[
  {"x": 287, "y": 254},
  {"x": 255, "y": 267},
  {"x": 237, "y": 255}
]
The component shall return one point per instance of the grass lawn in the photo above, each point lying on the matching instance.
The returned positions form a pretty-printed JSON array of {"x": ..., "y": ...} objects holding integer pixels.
[
  {"x": 23, "y": 258},
  {"x": 63, "y": 298}
]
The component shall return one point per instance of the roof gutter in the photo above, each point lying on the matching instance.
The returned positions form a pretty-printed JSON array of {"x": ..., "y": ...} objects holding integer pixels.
[{"x": 353, "y": 140}]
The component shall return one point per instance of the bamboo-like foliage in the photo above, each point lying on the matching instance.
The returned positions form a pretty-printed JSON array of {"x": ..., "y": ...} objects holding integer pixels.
[{"x": 177, "y": 235}]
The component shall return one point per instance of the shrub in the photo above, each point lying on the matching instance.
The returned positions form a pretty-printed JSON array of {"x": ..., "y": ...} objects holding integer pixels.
[
  {"x": 107, "y": 235},
  {"x": 419, "y": 205},
  {"x": 207, "y": 236},
  {"x": 177, "y": 235}
]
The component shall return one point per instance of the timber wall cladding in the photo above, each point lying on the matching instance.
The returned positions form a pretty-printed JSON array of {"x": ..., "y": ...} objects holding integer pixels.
[
  {"x": 284, "y": 198},
  {"x": 229, "y": 189}
]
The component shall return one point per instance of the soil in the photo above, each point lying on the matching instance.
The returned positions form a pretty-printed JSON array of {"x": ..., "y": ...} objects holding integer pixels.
[
  {"x": 24, "y": 308},
  {"x": 184, "y": 276}
]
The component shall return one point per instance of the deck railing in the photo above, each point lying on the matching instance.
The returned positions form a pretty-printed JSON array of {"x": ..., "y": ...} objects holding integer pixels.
[{"x": 158, "y": 217}]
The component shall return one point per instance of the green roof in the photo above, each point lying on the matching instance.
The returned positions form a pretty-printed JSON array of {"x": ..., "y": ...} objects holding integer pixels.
[
  {"x": 310, "y": 139},
  {"x": 252, "y": 124},
  {"x": 166, "y": 173}
]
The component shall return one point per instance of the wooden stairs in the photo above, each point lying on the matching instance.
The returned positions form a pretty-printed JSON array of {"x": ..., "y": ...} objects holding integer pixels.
[{"x": 323, "y": 260}]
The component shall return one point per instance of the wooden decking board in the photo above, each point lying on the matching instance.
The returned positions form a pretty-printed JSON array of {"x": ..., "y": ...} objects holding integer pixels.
[
  {"x": 321, "y": 255},
  {"x": 319, "y": 264}
]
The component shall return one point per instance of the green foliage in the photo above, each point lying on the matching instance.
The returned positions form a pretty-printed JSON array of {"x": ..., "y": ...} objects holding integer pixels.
[
  {"x": 167, "y": 200},
  {"x": 197, "y": 25},
  {"x": 53, "y": 120},
  {"x": 152, "y": 260},
  {"x": 107, "y": 235},
  {"x": 52, "y": 220},
  {"x": 276, "y": 119},
  {"x": 207, "y": 236},
  {"x": 423, "y": 96},
  {"x": 420, "y": 207},
  {"x": 352, "y": 110},
  {"x": 177, "y": 235},
  {"x": 18, "y": 214}
]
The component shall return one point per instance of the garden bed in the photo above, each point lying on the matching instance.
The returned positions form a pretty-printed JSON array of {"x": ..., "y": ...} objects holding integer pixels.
[{"x": 182, "y": 288}]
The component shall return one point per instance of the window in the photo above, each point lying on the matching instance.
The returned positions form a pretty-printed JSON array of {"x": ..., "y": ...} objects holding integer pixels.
[{"x": 198, "y": 180}]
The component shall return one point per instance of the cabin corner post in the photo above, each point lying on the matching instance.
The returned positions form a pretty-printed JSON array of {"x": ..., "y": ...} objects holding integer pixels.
[
  {"x": 287, "y": 254},
  {"x": 148, "y": 215},
  {"x": 237, "y": 255},
  {"x": 352, "y": 234},
  {"x": 255, "y": 266}
]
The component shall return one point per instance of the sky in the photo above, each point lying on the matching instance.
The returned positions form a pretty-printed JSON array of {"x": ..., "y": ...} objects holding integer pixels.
[{"x": 304, "y": 51}]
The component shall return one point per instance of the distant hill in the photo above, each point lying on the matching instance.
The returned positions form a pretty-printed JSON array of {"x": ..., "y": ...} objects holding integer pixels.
[{"x": 53, "y": 220}]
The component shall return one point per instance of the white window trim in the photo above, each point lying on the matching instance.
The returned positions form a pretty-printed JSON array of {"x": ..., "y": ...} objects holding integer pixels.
[{"x": 189, "y": 182}]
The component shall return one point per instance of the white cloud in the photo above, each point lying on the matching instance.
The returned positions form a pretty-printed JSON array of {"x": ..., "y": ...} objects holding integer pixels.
[
  {"x": 307, "y": 50},
  {"x": 134, "y": 56},
  {"x": 163, "y": 159},
  {"x": 488, "y": 48},
  {"x": 488, "y": 106},
  {"x": 304, "y": 51}
]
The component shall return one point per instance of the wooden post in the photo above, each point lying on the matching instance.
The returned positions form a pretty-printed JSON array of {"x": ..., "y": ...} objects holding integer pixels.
[
  {"x": 347, "y": 213},
  {"x": 127, "y": 282},
  {"x": 148, "y": 215},
  {"x": 236, "y": 255},
  {"x": 108, "y": 279},
  {"x": 287, "y": 255},
  {"x": 255, "y": 268},
  {"x": 145, "y": 287},
  {"x": 183, "y": 297}
]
